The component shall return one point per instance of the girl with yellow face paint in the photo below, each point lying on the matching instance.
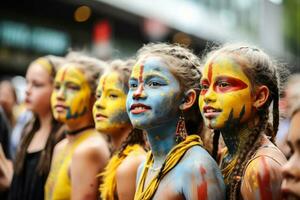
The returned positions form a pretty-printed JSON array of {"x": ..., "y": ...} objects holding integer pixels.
[
  {"x": 33, "y": 158},
  {"x": 238, "y": 85},
  {"x": 84, "y": 152},
  {"x": 128, "y": 144}
]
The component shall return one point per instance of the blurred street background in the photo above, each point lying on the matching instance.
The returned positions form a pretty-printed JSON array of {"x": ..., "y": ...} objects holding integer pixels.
[{"x": 117, "y": 28}]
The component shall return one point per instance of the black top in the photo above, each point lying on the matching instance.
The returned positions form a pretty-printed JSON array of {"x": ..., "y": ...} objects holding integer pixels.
[{"x": 28, "y": 185}]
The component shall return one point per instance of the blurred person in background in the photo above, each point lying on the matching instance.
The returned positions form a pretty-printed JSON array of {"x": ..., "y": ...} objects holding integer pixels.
[
  {"x": 291, "y": 170},
  {"x": 40, "y": 134},
  {"x": 8, "y": 100},
  {"x": 128, "y": 144},
  {"x": 290, "y": 98},
  {"x": 84, "y": 152}
]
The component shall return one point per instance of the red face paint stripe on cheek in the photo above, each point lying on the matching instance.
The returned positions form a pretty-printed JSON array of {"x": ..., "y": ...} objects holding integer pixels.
[
  {"x": 202, "y": 189},
  {"x": 264, "y": 182}
]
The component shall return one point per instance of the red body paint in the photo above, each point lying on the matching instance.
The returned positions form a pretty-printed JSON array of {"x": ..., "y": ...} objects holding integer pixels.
[
  {"x": 104, "y": 81},
  {"x": 264, "y": 182},
  {"x": 209, "y": 75},
  {"x": 202, "y": 189}
]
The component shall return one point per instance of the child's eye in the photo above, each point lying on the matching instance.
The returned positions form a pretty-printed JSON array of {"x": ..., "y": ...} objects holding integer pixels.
[
  {"x": 204, "y": 86},
  {"x": 133, "y": 85},
  {"x": 113, "y": 96},
  {"x": 154, "y": 84},
  {"x": 223, "y": 84}
]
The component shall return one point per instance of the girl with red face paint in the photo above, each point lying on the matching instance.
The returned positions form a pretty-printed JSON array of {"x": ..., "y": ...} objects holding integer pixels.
[{"x": 239, "y": 84}]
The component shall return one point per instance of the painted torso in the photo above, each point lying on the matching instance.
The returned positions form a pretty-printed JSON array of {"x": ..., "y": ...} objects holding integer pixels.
[
  {"x": 196, "y": 175},
  {"x": 58, "y": 185}
]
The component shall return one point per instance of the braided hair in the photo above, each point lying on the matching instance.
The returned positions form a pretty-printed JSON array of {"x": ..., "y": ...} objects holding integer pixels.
[
  {"x": 260, "y": 70},
  {"x": 185, "y": 66}
]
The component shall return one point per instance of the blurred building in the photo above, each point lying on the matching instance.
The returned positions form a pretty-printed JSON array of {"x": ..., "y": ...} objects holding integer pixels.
[{"x": 117, "y": 28}]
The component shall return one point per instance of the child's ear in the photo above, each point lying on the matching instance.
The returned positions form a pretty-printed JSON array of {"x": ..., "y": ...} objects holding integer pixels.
[
  {"x": 188, "y": 99},
  {"x": 261, "y": 96}
]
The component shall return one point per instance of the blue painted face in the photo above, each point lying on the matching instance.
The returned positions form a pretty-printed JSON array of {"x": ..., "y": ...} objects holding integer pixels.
[{"x": 154, "y": 94}]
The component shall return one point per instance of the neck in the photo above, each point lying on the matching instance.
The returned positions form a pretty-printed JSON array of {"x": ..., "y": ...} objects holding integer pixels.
[
  {"x": 45, "y": 121},
  {"x": 236, "y": 138},
  {"x": 162, "y": 140},
  {"x": 119, "y": 137}
]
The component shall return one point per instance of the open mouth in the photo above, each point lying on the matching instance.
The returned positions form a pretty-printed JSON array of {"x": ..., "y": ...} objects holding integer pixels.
[
  {"x": 210, "y": 112},
  {"x": 100, "y": 117},
  {"x": 139, "y": 108}
]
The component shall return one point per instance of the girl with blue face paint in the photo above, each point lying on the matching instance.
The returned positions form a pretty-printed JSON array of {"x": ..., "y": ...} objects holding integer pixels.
[{"x": 162, "y": 89}]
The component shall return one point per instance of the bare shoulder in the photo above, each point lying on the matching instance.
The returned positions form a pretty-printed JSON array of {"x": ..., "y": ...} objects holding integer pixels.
[
  {"x": 131, "y": 162},
  {"x": 94, "y": 147},
  {"x": 60, "y": 146}
]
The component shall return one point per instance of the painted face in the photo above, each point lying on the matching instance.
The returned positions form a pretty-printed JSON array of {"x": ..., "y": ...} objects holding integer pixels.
[
  {"x": 225, "y": 99},
  {"x": 109, "y": 110},
  {"x": 291, "y": 170},
  {"x": 70, "y": 99},
  {"x": 38, "y": 89},
  {"x": 154, "y": 94}
]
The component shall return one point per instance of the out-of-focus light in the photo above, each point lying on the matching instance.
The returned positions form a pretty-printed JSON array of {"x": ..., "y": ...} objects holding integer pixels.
[
  {"x": 82, "y": 13},
  {"x": 182, "y": 38},
  {"x": 276, "y": 1}
]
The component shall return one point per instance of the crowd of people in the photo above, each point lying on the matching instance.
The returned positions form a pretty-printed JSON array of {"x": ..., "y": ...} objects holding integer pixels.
[{"x": 164, "y": 124}]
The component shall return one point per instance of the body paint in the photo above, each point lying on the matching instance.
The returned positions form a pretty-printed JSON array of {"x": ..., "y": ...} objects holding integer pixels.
[
  {"x": 202, "y": 189},
  {"x": 264, "y": 182}
]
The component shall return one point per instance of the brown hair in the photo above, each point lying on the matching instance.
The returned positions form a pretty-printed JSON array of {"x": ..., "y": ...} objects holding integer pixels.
[
  {"x": 123, "y": 68},
  {"x": 91, "y": 67},
  {"x": 55, "y": 135},
  {"x": 261, "y": 70},
  {"x": 185, "y": 66}
]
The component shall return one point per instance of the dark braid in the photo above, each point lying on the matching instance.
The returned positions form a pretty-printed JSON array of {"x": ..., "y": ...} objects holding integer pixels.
[
  {"x": 216, "y": 144},
  {"x": 136, "y": 136},
  {"x": 251, "y": 146}
]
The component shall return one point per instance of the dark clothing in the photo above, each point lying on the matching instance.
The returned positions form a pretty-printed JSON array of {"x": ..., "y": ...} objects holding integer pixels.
[
  {"x": 4, "y": 140},
  {"x": 28, "y": 185}
]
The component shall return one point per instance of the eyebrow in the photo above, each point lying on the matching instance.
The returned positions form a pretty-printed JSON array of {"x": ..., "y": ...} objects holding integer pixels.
[{"x": 150, "y": 75}]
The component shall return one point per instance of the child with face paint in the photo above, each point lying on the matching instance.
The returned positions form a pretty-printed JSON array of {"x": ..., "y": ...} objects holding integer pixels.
[
  {"x": 40, "y": 135},
  {"x": 291, "y": 170},
  {"x": 112, "y": 119},
  {"x": 84, "y": 152},
  {"x": 162, "y": 88},
  {"x": 238, "y": 85}
]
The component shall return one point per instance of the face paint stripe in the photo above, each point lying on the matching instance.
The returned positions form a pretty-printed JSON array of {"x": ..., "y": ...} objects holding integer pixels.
[
  {"x": 141, "y": 74},
  {"x": 64, "y": 74},
  {"x": 104, "y": 81},
  {"x": 210, "y": 72}
]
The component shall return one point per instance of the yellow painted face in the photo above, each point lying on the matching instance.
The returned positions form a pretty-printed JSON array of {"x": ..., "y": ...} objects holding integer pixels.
[
  {"x": 225, "y": 99},
  {"x": 71, "y": 97},
  {"x": 109, "y": 110}
]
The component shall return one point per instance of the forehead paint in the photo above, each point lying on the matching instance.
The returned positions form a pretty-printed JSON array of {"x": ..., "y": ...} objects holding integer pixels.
[
  {"x": 264, "y": 181},
  {"x": 141, "y": 74},
  {"x": 64, "y": 74},
  {"x": 45, "y": 64},
  {"x": 202, "y": 189},
  {"x": 210, "y": 71}
]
